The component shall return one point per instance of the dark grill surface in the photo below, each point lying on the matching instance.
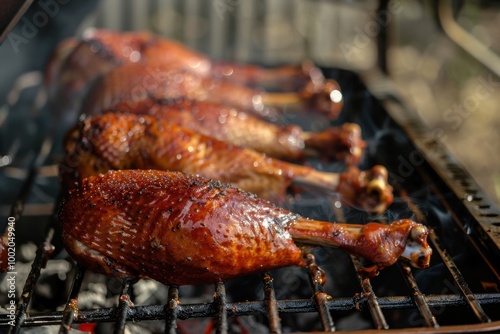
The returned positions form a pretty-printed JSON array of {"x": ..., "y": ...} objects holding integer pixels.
[{"x": 459, "y": 292}]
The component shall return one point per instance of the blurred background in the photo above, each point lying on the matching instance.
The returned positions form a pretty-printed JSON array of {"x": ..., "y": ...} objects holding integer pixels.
[{"x": 455, "y": 93}]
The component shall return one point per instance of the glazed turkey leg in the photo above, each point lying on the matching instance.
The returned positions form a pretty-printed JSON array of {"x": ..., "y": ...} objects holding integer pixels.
[
  {"x": 246, "y": 130},
  {"x": 133, "y": 83},
  {"x": 115, "y": 141},
  {"x": 123, "y": 47},
  {"x": 184, "y": 229},
  {"x": 100, "y": 51}
]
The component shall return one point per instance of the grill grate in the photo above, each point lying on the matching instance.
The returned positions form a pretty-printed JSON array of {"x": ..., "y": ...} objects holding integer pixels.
[
  {"x": 172, "y": 309},
  {"x": 171, "y": 312}
]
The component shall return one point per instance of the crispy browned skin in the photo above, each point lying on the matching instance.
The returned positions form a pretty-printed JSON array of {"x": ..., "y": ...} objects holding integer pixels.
[
  {"x": 125, "y": 141},
  {"x": 174, "y": 228},
  {"x": 224, "y": 123},
  {"x": 183, "y": 229},
  {"x": 243, "y": 129},
  {"x": 112, "y": 141}
]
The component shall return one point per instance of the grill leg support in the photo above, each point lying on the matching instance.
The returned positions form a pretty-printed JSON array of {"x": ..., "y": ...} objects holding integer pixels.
[
  {"x": 123, "y": 307},
  {"x": 220, "y": 303},
  {"x": 71, "y": 309},
  {"x": 317, "y": 277},
  {"x": 271, "y": 305},
  {"x": 172, "y": 310},
  {"x": 419, "y": 298},
  {"x": 373, "y": 304}
]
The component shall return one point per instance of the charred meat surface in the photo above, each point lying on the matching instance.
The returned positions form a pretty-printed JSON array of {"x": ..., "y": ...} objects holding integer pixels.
[
  {"x": 183, "y": 229},
  {"x": 124, "y": 141}
]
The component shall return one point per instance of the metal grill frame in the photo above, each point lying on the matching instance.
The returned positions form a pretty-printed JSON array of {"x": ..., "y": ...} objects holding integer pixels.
[{"x": 445, "y": 171}]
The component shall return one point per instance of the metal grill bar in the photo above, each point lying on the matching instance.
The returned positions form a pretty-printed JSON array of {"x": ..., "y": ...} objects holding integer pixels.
[
  {"x": 220, "y": 304},
  {"x": 372, "y": 300},
  {"x": 40, "y": 261},
  {"x": 419, "y": 298},
  {"x": 123, "y": 307},
  {"x": 373, "y": 305},
  {"x": 271, "y": 305},
  {"x": 71, "y": 309},
  {"x": 157, "y": 312},
  {"x": 171, "y": 309},
  {"x": 317, "y": 278},
  {"x": 459, "y": 279}
]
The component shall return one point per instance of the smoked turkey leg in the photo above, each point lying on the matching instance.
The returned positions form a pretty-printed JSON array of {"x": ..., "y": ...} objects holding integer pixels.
[{"x": 184, "y": 229}]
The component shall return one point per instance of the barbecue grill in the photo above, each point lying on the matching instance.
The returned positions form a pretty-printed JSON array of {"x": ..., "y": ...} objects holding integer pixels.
[{"x": 458, "y": 293}]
